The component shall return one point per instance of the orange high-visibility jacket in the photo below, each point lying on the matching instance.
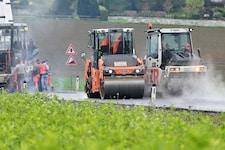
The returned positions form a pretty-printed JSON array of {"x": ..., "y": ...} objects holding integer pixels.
[
  {"x": 43, "y": 69},
  {"x": 105, "y": 42}
]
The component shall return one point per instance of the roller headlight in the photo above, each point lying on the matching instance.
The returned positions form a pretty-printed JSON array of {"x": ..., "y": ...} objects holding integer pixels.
[
  {"x": 199, "y": 69},
  {"x": 175, "y": 69},
  {"x": 137, "y": 71},
  {"x": 108, "y": 71}
]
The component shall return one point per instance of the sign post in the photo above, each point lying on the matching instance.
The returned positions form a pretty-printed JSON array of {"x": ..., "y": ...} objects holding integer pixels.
[{"x": 71, "y": 61}]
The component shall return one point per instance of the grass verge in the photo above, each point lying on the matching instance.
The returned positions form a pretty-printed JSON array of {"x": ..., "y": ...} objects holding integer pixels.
[{"x": 68, "y": 83}]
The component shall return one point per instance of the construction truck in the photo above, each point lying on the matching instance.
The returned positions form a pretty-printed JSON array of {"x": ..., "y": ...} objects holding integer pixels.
[
  {"x": 113, "y": 71},
  {"x": 171, "y": 64},
  {"x": 13, "y": 47}
]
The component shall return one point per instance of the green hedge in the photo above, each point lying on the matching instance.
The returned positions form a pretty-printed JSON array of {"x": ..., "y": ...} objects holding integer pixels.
[{"x": 103, "y": 13}]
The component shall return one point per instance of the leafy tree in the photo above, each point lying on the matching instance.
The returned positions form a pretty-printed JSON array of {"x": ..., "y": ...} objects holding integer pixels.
[
  {"x": 94, "y": 7},
  {"x": 88, "y": 8},
  {"x": 178, "y": 5},
  {"x": 117, "y": 6},
  {"x": 157, "y": 5},
  {"x": 167, "y": 5},
  {"x": 208, "y": 3},
  {"x": 132, "y": 4},
  {"x": 153, "y": 5},
  {"x": 61, "y": 7},
  {"x": 103, "y": 13},
  {"x": 105, "y": 3},
  {"x": 81, "y": 8},
  {"x": 141, "y": 4},
  {"x": 193, "y": 7}
]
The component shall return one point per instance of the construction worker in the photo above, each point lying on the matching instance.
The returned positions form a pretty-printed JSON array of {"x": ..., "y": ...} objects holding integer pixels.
[
  {"x": 106, "y": 45},
  {"x": 19, "y": 73},
  {"x": 36, "y": 74},
  {"x": 187, "y": 46},
  {"x": 30, "y": 46},
  {"x": 49, "y": 77},
  {"x": 39, "y": 81},
  {"x": 117, "y": 43},
  {"x": 150, "y": 26},
  {"x": 165, "y": 45},
  {"x": 105, "y": 41},
  {"x": 44, "y": 75}
]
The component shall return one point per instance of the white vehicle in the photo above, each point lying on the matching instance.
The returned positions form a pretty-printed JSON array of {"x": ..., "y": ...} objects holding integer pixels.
[
  {"x": 13, "y": 46},
  {"x": 170, "y": 61}
]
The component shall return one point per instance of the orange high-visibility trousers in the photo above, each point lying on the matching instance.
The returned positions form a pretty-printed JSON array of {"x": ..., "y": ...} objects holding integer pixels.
[
  {"x": 36, "y": 79},
  {"x": 50, "y": 81}
]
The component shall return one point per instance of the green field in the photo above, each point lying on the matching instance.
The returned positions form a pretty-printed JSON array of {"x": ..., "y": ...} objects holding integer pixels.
[
  {"x": 38, "y": 122},
  {"x": 67, "y": 84}
]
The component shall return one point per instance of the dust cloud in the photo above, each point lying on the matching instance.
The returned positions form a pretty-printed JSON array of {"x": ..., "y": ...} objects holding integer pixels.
[{"x": 208, "y": 87}]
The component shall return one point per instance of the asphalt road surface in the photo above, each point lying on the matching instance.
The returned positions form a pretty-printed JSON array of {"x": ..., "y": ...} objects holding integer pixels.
[{"x": 183, "y": 102}]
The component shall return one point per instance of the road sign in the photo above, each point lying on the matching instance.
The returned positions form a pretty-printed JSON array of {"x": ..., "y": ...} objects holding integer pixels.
[
  {"x": 71, "y": 50},
  {"x": 71, "y": 61}
]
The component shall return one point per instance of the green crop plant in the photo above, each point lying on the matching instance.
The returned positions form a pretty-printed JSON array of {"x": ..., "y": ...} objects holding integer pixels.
[{"x": 39, "y": 122}]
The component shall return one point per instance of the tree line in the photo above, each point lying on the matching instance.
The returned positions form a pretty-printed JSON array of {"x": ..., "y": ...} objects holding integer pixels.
[{"x": 170, "y": 8}]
